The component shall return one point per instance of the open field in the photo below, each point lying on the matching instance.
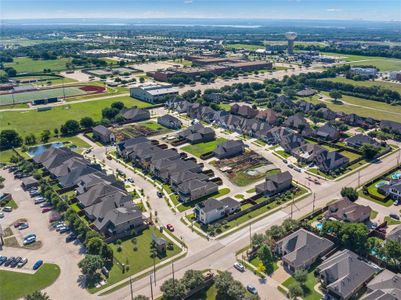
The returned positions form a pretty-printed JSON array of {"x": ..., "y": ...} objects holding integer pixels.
[
  {"x": 363, "y": 107},
  {"x": 129, "y": 257},
  {"x": 24, "y": 42},
  {"x": 383, "y": 63},
  {"x": 41, "y": 94},
  {"x": 42, "y": 80},
  {"x": 15, "y": 285},
  {"x": 28, "y": 65},
  {"x": 388, "y": 85},
  {"x": 201, "y": 148},
  {"x": 32, "y": 121},
  {"x": 243, "y": 46}
]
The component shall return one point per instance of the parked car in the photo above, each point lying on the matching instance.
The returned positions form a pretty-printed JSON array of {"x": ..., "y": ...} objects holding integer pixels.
[
  {"x": 7, "y": 209},
  {"x": 38, "y": 201},
  {"x": 22, "y": 263},
  {"x": 59, "y": 226},
  {"x": 23, "y": 226},
  {"x": 71, "y": 237},
  {"x": 130, "y": 179},
  {"x": 30, "y": 240},
  {"x": 252, "y": 289},
  {"x": 3, "y": 259},
  {"x": 46, "y": 209},
  {"x": 291, "y": 166},
  {"x": 9, "y": 261},
  {"x": 45, "y": 204},
  {"x": 18, "y": 224},
  {"x": 1, "y": 215},
  {"x": 37, "y": 264},
  {"x": 170, "y": 227},
  {"x": 240, "y": 267},
  {"x": 395, "y": 216},
  {"x": 159, "y": 194},
  {"x": 64, "y": 229},
  {"x": 15, "y": 262}
]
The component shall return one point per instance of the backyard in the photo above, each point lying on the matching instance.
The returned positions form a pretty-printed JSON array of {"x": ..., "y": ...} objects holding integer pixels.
[
  {"x": 15, "y": 285},
  {"x": 201, "y": 148},
  {"x": 138, "y": 260},
  {"x": 309, "y": 287}
]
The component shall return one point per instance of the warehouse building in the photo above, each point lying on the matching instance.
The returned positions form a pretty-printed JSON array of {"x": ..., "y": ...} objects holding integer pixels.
[{"x": 152, "y": 93}]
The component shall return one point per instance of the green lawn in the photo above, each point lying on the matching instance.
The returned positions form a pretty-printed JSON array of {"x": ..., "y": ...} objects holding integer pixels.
[
  {"x": 15, "y": 285},
  {"x": 256, "y": 261},
  {"x": 32, "y": 121},
  {"x": 28, "y": 65},
  {"x": 189, "y": 205},
  {"x": 350, "y": 155},
  {"x": 309, "y": 291},
  {"x": 363, "y": 107},
  {"x": 208, "y": 294},
  {"x": 156, "y": 127},
  {"x": 201, "y": 148},
  {"x": 373, "y": 214},
  {"x": 6, "y": 155},
  {"x": 243, "y": 179},
  {"x": 283, "y": 153},
  {"x": 388, "y": 85},
  {"x": 243, "y": 46},
  {"x": 137, "y": 260}
]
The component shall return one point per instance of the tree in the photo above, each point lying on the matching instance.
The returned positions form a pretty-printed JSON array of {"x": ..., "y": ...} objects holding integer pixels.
[
  {"x": 45, "y": 136},
  {"x": 118, "y": 105},
  {"x": 192, "y": 279},
  {"x": 9, "y": 138},
  {"x": 335, "y": 95},
  {"x": 350, "y": 193},
  {"x": 30, "y": 139},
  {"x": 173, "y": 289},
  {"x": 109, "y": 112},
  {"x": 55, "y": 131},
  {"x": 94, "y": 245},
  {"x": 228, "y": 288},
  {"x": 295, "y": 290},
  {"x": 290, "y": 225},
  {"x": 301, "y": 276},
  {"x": 141, "y": 79},
  {"x": 90, "y": 264},
  {"x": 266, "y": 257},
  {"x": 392, "y": 249},
  {"x": 258, "y": 239},
  {"x": 37, "y": 295},
  {"x": 70, "y": 127},
  {"x": 140, "y": 297},
  {"x": 369, "y": 151},
  {"x": 275, "y": 232},
  {"x": 87, "y": 122}
]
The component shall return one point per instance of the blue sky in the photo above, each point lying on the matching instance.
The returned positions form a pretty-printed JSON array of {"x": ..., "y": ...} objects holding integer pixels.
[{"x": 385, "y": 10}]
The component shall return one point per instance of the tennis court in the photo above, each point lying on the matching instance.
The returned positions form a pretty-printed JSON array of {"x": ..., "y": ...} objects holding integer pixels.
[{"x": 29, "y": 96}]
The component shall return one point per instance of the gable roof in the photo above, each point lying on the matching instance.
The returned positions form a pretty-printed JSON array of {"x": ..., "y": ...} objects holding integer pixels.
[{"x": 385, "y": 286}]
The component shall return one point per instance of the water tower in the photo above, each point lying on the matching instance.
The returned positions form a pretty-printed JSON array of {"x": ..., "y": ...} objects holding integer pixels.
[{"x": 291, "y": 36}]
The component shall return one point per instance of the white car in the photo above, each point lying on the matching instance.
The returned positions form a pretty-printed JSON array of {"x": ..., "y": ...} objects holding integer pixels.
[
  {"x": 240, "y": 267},
  {"x": 1, "y": 215}
]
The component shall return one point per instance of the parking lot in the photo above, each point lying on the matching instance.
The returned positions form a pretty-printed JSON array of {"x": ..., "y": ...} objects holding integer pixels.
[{"x": 52, "y": 247}]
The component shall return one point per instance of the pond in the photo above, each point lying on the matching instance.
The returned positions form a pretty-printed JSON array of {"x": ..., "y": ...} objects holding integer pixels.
[{"x": 37, "y": 150}]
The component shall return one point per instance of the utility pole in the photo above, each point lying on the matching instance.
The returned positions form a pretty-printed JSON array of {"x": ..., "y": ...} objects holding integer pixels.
[
  {"x": 172, "y": 268},
  {"x": 313, "y": 203},
  {"x": 292, "y": 206},
  {"x": 130, "y": 285},
  {"x": 359, "y": 178},
  {"x": 250, "y": 235},
  {"x": 154, "y": 267},
  {"x": 151, "y": 287}
]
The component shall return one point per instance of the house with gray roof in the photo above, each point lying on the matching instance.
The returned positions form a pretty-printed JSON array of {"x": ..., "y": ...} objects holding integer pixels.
[
  {"x": 169, "y": 121},
  {"x": 197, "y": 134},
  {"x": 95, "y": 194},
  {"x": 385, "y": 286},
  {"x": 103, "y": 134},
  {"x": 229, "y": 149},
  {"x": 395, "y": 234},
  {"x": 344, "y": 274},
  {"x": 328, "y": 162},
  {"x": 348, "y": 211},
  {"x": 120, "y": 221},
  {"x": 295, "y": 121},
  {"x": 328, "y": 132},
  {"x": 326, "y": 113},
  {"x": 194, "y": 189},
  {"x": 135, "y": 114},
  {"x": 124, "y": 148},
  {"x": 177, "y": 178},
  {"x": 301, "y": 249},
  {"x": 359, "y": 140},
  {"x": 391, "y": 126},
  {"x": 275, "y": 184},
  {"x": 307, "y": 152},
  {"x": 211, "y": 210}
]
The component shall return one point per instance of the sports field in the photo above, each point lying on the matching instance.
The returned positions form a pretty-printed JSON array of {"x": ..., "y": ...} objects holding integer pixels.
[
  {"x": 28, "y": 65},
  {"x": 41, "y": 94},
  {"x": 383, "y": 63},
  {"x": 32, "y": 121},
  {"x": 388, "y": 85}
]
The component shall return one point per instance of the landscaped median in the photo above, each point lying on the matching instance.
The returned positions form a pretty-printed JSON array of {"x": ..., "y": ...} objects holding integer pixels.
[{"x": 15, "y": 285}]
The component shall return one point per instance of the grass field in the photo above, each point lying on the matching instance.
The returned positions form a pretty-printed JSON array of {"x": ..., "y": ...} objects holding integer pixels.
[
  {"x": 15, "y": 285},
  {"x": 388, "y": 85},
  {"x": 32, "y": 121},
  {"x": 383, "y": 63},
  {"x": 243, "y": 179},
  {"x": 137, "y": 260},
  {"x": 41, "y": 94},
  {"x": 201, "y": 148},
  {"x": 28, "y": 65},
  {"x": 363, "y": 107},
  {"x": 243, "y": 46}
]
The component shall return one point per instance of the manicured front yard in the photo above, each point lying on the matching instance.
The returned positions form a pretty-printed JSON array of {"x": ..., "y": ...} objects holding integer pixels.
[
  {"x": 201, "y": 148},
  {"x": 309, "y": 290},
  {"x": 138, "y": 260},
  {"x": 15, "y": 285}
]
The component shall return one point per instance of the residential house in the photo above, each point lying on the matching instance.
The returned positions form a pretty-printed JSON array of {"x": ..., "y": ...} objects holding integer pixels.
[
  {"x": 291, "y": 141},
  {"x": 197, "y": 134},
  {"x": 306, "y": 106},
  {"x": 360, "y": 139},
  {"x": 295, "y": 121},
  {"x": 274, "y": 184},
  {"x": 385, "y": 286},
  {"x": 306, "y": 93},
  {"x": 392, "y": 189},
  {"x": 229, "y": 149},
  {"x": 326, "y": 113},
  {"x": 307, "y": 153},
  {"x": 348, "y": 211},
  {"x": 301, "y": 249},
  {"x": 395, "y": 234},
  {"x": 328, "y": 162},
  {"x": 169, "y": 121},
  {"x": 344, "y": 274},
  {"x": 328, "y": 132},
  {"x": 194, "y": 189},
  {"x": 267, "y": 115},
  {"x": 211, "y": 210},
  {"x": 135, "y": 114},
  {"x": 391, "y": 126},
  {"x": 103, "y": 134}
]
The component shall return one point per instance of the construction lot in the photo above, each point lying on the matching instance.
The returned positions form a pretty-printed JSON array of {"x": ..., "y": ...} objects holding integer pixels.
[{"x": 148, "y": 128}]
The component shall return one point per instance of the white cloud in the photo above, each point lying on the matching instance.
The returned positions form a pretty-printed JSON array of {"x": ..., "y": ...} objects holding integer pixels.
[
  {"x": 188, "y": 1},
  {"x": 334, "y": 9}
]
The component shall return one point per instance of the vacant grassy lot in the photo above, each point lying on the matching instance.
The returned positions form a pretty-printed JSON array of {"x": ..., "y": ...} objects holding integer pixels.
[
  {"x": 32, "y": 121},
  {"x": 243, "y": 179},
  {"x": 363, "y": 107},
  {"x": 201, "y": 148},
  {"x": 137, "y": 260},
  {"x": 28, "y": 65},
  {"x": 243, "y": 46},
  {"x": 15, "y": 285},
  {"x": 388, "y": 85}
]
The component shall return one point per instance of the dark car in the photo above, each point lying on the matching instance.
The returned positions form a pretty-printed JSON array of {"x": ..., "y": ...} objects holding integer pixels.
[
  {"x": 159, "y": 194},
  {"x": 3, "y": 259},
  {"x": 37, "y": 264},
  {"x": 70, "y": 238},
  {"x": 9, "y": 261},
  {"x": 395, "y": 216},
  {"x": 15, "y": 262}
]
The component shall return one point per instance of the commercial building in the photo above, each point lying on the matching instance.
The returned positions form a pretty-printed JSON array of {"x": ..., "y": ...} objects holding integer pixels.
[{"x": 152, "y": 93}]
